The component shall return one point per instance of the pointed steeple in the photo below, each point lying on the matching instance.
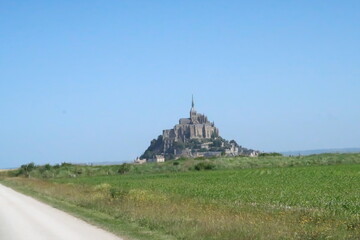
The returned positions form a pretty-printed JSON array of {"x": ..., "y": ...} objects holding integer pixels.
[{"x": 192, "y": 110}]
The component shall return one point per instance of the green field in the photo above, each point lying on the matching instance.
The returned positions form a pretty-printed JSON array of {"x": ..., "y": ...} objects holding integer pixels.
[{"x": 316, "y": 197}]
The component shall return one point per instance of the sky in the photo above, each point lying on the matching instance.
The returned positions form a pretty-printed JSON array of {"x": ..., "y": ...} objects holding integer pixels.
[{"x": 96, "y": 81}]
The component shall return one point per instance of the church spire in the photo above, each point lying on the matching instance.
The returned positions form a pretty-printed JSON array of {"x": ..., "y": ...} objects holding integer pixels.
[{"x": 192, "y": 110}]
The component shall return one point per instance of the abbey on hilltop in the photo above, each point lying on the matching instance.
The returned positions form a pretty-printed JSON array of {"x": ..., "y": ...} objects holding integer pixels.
[
  {"x": 192, "y": 137},
  {"x": 195, "y": 127}
]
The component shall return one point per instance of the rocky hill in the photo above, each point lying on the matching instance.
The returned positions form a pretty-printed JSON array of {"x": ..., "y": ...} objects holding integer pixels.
[{"x": 194, "y": 137}]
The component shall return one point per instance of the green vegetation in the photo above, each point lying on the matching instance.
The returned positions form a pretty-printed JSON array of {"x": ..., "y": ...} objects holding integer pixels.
[
  {"x": 272, "y": 154},
  {"x": 26, "y": 169},
  {"x": 204, "y": 166},
  {"x": 270, "y": 160},
  {"x": 124, "y": 168},
  {"x": 269, "y": 197}
]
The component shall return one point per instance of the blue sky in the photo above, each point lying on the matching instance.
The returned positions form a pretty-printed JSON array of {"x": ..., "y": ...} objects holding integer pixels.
[{"x": 93, "y": 81}]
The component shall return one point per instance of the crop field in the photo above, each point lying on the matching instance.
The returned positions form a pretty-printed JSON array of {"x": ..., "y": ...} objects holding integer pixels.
[{"x": 301, "y": 202}]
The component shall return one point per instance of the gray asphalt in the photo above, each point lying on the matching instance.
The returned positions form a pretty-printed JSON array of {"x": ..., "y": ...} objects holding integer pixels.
[{"x": 24, "y": 218}]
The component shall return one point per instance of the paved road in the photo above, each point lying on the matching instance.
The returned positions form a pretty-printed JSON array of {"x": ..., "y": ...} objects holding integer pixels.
[{"x": 24, "y": 218}]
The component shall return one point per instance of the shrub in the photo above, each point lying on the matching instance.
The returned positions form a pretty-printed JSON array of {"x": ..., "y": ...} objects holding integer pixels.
[
  {"x": 79, "y": 171},
  {"x": 65, "y": 164},
  {"x": 26, "y": 169},
  {"x": 29, "y": 167},
  {"x": 204, "y": 166},
  {"x": 47, "y": 174},
  {"x": 117, "y": 193},
  {"x": 47, "y": 167},
  {"x": 124, "y": 168},
  {"x": 272, "y": 154}
]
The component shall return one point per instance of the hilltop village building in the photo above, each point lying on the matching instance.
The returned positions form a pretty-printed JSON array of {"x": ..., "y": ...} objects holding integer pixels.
[
  {"x": 157, "y": 158},
  {"x": 192, "y": 137}
]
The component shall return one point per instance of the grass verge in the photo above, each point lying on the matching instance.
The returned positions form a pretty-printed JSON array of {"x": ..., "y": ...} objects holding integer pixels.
[{"x": 121, "y": 227}]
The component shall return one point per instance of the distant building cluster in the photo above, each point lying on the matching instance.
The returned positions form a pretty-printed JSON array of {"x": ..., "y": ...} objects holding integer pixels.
[{"x": 157, "y": 158}]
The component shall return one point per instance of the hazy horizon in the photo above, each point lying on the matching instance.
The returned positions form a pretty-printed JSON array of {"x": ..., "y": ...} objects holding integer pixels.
[{"x": 91, "y": 81}]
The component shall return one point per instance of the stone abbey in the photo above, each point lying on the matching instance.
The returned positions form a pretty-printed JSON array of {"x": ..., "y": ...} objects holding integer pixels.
[
  {"x": 195, "y": 136},
  {"x": 196, "y": 126}
]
